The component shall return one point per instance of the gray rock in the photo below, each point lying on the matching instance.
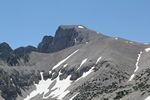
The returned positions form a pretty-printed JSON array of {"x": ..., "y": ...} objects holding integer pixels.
[
  {"x": 5, "y": 51},
  {"x": 46, "y": 45}
]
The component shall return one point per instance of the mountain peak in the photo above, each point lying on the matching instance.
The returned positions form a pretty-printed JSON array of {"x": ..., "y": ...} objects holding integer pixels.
[
  {"x": 66, "y": 36},
  {"x": 5, "y": 45},
  {"x": 71, "y": 26}
]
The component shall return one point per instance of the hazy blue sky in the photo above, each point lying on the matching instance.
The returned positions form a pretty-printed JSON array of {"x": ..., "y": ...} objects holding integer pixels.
[{"x": 24, "y": 22}]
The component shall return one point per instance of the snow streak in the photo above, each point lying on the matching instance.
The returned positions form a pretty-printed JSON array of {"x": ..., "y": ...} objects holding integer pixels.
[
  {"x": 90, "y": 71},
  {"x": 61, "y": 62},
  {"x": 137, "y": 66},
  {"x": 60, "y": 87},
  {"x": 137, "y": 63},
  {"x": 73, "y": 96},
  {"x": 83, "y": 61},
  {"x": 98, "y": 59}
]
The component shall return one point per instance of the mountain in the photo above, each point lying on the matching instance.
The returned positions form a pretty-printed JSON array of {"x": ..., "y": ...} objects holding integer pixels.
[
  {"x": 76, "y": 64},
  {"x": 66, "y": 36}
]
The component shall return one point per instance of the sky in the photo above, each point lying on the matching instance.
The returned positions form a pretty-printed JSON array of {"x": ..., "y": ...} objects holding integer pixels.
[{"x": 25, "y": 22}]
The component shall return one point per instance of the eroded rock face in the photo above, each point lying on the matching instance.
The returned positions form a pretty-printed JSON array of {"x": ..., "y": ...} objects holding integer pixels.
[
  {"x": 64, "y": 38},
  {"x": 11, "y": 84}
]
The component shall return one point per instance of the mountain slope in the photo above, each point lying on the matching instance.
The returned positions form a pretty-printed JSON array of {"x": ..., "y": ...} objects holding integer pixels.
[{"x": 78, "y": 64}]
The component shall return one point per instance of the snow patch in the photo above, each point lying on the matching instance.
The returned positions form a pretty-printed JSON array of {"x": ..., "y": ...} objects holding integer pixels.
[
  {"x": 147, "y": 49},
  {"x": 61, "y": 62},
  {"x": 137, "y": 66},
  {"x": 60, "y": 88},
  {"x": 90, "y": 71},
  {"x": 148, "y": 98},
  {"x": 83, "y": 61},
  {"x": 80, "y": 27},
  {"x": 98, "y": 59},
  {"x": 73, "y": 96},
  {"x": 75, "y": 40},
  {"x": 41, "y": 73},
  {"x": 132, "y": 76},
  {"x": 116, "y": 38},
  {"x": 41, "y": 87},
  {"x": 12, "y": 81},
  {"x": 65, "y": 65},
  {"x": 50, "y": 72},
  {"x": 137, "y": 63},
  {"x": 86, "y": 74}
]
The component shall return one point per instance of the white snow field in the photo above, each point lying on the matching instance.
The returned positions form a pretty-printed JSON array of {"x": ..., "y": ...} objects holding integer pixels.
[
  {"x": 148, "y": 98},
  {"x": 43, "y": 86},
  {"x": 61, "y": 62},
  {"x": 59, "y": 90}
]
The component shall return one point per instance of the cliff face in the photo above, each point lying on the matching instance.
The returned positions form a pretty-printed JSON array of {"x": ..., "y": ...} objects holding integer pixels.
[
  {"x": 66, "y": 36},
  {"x": 46, "y": 45},
  {"x": 76, "y": 64},
  {"x": 5, "y": 51}
]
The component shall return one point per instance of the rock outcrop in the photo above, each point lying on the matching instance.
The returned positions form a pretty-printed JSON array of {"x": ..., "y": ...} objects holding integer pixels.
[{"x": 5, "y": 51}]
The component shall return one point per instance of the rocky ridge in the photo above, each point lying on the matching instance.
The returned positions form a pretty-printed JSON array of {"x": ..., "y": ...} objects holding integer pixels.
[{"x": 76, "y": 64}]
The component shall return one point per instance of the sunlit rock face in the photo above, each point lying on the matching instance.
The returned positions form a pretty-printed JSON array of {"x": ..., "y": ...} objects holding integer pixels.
[{"x": 76, "y": 64}]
